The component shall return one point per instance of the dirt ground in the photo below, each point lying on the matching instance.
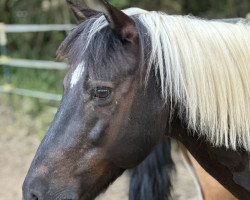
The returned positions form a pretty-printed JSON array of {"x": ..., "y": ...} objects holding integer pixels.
[{"x": 18, "y": 146}]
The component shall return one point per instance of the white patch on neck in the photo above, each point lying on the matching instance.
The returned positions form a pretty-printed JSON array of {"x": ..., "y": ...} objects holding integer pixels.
[{"x": 77, "y": 74}]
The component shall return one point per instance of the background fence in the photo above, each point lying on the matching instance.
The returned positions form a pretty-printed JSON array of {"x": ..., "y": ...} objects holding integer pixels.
[{"x": 7, "y": 61}]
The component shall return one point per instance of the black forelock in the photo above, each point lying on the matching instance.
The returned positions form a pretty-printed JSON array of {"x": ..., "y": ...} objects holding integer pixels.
[{"x": 103, "y": 51}]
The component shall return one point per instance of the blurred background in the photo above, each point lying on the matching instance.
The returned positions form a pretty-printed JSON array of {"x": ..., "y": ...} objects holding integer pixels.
[{"x": 24, "y": 120}]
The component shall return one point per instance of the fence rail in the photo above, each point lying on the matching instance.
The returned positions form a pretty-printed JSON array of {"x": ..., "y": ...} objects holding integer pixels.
[
  {"x": 35, "y": 64},
  {"x": 37, "y": 28},
  {"x": 29, "y": 93}
]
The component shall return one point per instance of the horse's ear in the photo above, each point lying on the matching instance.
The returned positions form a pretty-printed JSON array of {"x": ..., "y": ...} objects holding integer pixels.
[
  {"x": 80, "y": 13},
  {"x": 122, "y": 24}
]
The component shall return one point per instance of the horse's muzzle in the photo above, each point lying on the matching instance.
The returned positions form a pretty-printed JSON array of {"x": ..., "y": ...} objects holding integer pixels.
[{"x": 38, "y": 189}]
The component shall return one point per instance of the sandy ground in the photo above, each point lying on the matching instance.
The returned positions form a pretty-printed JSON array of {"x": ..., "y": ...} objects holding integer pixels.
[{"x": 18, "y": 146}]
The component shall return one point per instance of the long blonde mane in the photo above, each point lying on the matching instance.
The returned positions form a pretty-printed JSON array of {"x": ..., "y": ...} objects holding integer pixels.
[{"x": 204, "y": 67}]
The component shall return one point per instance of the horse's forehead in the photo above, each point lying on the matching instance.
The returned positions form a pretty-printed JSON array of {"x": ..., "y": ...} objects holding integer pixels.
[
  {"x": 104, "y": 63},
  {"x": 102, "y": 72},
  {"x": 96, "y": 77}
]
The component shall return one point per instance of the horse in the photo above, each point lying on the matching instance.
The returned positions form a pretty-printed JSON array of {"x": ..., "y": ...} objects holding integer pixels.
[{"x": 134, "y": 78}]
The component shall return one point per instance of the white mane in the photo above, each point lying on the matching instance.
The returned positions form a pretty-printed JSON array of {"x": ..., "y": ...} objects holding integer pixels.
[{"x": 205, "y": 68}]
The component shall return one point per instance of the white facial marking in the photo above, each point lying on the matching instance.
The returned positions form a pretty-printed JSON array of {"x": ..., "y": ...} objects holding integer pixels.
[{"x": 77, "y": 74}]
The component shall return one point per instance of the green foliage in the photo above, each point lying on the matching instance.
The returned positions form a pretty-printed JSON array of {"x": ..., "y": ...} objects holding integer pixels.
[{"x": 120, "y": 3}]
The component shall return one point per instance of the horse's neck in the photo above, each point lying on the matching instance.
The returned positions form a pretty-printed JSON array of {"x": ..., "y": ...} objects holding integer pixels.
[{"x": 220, "y": 162}]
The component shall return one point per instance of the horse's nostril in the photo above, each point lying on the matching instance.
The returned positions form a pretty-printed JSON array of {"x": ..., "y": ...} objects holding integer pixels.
[{"x": 34, "y": 197}]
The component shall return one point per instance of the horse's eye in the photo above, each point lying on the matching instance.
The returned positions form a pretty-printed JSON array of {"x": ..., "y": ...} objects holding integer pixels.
[{"x": 101, "y": 93}]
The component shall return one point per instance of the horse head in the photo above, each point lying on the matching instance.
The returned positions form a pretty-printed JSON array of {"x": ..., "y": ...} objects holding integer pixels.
[{"x": 109, "y": 118}]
